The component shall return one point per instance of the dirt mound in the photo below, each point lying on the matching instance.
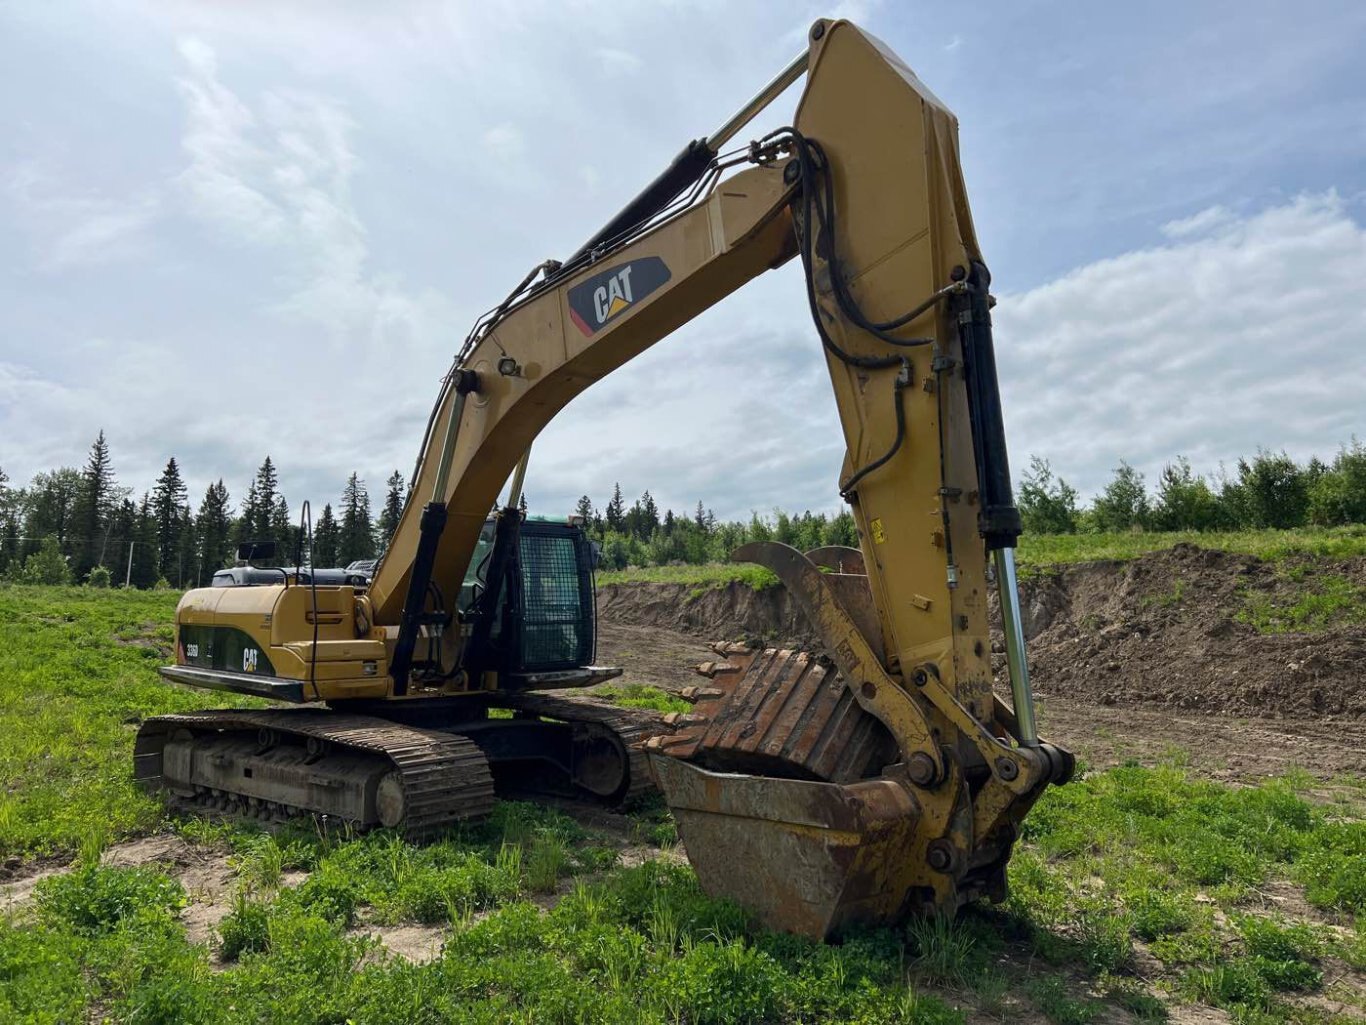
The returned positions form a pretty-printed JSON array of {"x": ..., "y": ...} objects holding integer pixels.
[
  {"x": 1168, "y": 629},
  {"x": 730, "y": 612},
  {"x": 1165, "y": 630}
]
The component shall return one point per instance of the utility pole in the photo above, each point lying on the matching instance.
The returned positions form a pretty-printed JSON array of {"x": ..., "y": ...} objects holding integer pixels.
[{"x": 128, "y": 576}]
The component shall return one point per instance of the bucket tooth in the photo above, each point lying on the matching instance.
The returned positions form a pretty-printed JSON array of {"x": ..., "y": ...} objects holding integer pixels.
[
  {"x": 728, "y": 648},
  {"x": 695, "y": 694},
  {"x": 710, "y": 669},
  {"x": 684, "y": 719}
]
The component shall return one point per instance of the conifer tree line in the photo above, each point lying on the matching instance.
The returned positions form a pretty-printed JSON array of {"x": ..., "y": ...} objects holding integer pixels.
[
  {"x": 77, "y": 525},
  {"x": 81, "y": 526}
]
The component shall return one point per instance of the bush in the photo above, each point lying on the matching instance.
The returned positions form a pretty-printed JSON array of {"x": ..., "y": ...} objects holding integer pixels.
[
  {"x": 1338, "y": 495},
  {"x": 47, "y": 565},
  {"x": 1048, "y": 504},
  {"x": 99, "y": 577},
  {"x": 94, "y": 899},
  {"x": 1123, "y": 505}
]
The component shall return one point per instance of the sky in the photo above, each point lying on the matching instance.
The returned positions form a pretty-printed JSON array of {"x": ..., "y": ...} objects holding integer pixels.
[{"x": 233, "y": 230}]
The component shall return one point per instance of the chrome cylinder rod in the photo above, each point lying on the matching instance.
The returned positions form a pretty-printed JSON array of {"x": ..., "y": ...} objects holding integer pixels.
[
  {"x": 518, "y": 479},
  {"x": 767, "y": 95},
  {"x": 443, "y": 468},
  {"x": 1020, "y": 692}
]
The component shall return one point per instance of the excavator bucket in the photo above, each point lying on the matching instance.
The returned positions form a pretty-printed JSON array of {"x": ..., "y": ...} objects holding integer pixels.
[
  {"x": 807, "y": 857},
  {"x": 808, "y": 794}
]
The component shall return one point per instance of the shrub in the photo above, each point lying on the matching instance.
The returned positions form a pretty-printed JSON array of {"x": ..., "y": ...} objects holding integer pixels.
[
  {"x": 94, "y": 899},
  {"x": 47, "y": 565},
  {"x": 99, "y": 577}
]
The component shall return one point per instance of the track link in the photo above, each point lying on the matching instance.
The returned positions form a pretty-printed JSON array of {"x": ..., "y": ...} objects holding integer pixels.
[{"x": 444, "y": 778}]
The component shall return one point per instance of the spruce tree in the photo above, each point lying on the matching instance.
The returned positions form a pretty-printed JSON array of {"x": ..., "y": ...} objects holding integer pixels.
[
  {"x": 122, "y": 531},
  {"x": 266, "y": 488},
  {"x": 188, "y": 560},
  {"x": 393, "y": 509},
  {"x": 145, "y": 546},
  {"x": 284, "y": 532},
  {"x": 615, "y": 514},
  {"x": 93, "y": 509},
  {"x": 9, "y": 524},
  {"x": 168, "y": 499},
  {"x": 357, "y": 537},
  {"x": 215, "y": 531},
  {"x": 246, "y": 521},
  {"x": 325, "y": 537}
]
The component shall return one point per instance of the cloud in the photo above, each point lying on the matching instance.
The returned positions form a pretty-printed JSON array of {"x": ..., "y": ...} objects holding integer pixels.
[
  {"x": 504, "y": 142},
  {"x": 73, "y": 229},
  {"x": 618, "y": 62},
  {"x": 1245, "y": 332},
  {"x": 277, "y": 175}
]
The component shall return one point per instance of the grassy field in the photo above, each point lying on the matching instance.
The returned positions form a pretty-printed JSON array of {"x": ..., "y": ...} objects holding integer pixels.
[
  {"x": 1136, "y": 891},
  {"x": 1039, "y": 551}
]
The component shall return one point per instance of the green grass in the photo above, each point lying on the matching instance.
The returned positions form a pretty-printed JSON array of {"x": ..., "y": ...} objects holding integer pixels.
[
  {"x": 1323, "y": 542},
  {"x": 1038, "y": 551},
  {"x": 1314, "y": 604},
  {"x": 641, "y": 695},
  {"x": 1131, "y": 857},
  {"x": 706, "y": 576},
  {"x": 77, "y": 673}
]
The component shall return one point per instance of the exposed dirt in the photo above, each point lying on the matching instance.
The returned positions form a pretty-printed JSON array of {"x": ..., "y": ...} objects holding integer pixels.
[
  {"x": 416, "y": 943},
  {"x": 732, "y": 612},
  {"x": 1144, "y": 659},
  {"x": 1163, "y": 630},
  {"x": 205, "y": 873}
]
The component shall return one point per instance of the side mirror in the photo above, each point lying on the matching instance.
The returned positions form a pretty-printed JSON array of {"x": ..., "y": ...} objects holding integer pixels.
[{"x": 249, "y": 551}]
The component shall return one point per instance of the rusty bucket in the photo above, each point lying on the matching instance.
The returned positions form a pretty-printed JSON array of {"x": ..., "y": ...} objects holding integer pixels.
[{"x": 806, "y": 857}]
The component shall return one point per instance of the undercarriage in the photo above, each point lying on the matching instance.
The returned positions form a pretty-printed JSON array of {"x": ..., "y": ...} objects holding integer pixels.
[{"x": 419, "y": 772}]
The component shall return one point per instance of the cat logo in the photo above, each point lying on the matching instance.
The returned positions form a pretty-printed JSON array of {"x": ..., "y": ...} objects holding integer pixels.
[
  {"x": 249, "y": 656},
  {"x": 610, "y": 293}
]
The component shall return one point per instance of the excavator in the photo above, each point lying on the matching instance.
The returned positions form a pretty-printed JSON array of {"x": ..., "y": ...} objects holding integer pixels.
[{"x": 875, "y": 778}]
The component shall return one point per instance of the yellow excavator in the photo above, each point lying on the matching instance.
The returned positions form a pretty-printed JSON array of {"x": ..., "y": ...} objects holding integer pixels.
[{"x": 876, "y": 778}]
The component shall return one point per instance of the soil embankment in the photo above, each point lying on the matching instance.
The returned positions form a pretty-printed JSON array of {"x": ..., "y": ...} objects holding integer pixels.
[
  {"x": 1170, "y": 629},
  {"x": 1129, "y": 659}
]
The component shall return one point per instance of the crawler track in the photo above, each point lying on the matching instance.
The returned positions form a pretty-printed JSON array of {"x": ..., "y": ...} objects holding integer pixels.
[{"x": 444, "y": 778}]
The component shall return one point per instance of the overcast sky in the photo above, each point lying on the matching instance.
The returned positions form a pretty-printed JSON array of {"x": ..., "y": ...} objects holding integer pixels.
[{"x": 228, "y": 230}]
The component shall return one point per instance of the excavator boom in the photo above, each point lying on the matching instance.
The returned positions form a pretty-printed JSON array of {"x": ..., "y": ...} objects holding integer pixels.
[{"x": 878, "y": 777}]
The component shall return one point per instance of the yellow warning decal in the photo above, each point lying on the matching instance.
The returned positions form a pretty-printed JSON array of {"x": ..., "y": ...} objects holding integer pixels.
[{"x": 879, "y": 535}]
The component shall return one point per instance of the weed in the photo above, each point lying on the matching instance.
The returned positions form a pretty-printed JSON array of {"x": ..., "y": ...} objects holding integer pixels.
[
  {"x": 1168, "y": 600},
  {"x": 640, "y": 695},
  {"x": 943, "y": 947},
  {"x": 94, "y": 899},
  {"x": 1232, "y": 984},
  {"x": 1050, "y": 996},
  {"x": 544, "y": 863},
  {"x": 991, "y": 988},
  {"x": 1137, "y": 1001},
  {"x": 1156, "y": 913},
  {"x": 707, "y": 576},
  {"x": 245, "y": 928},
  {"x": 1324, "y": 602}
]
